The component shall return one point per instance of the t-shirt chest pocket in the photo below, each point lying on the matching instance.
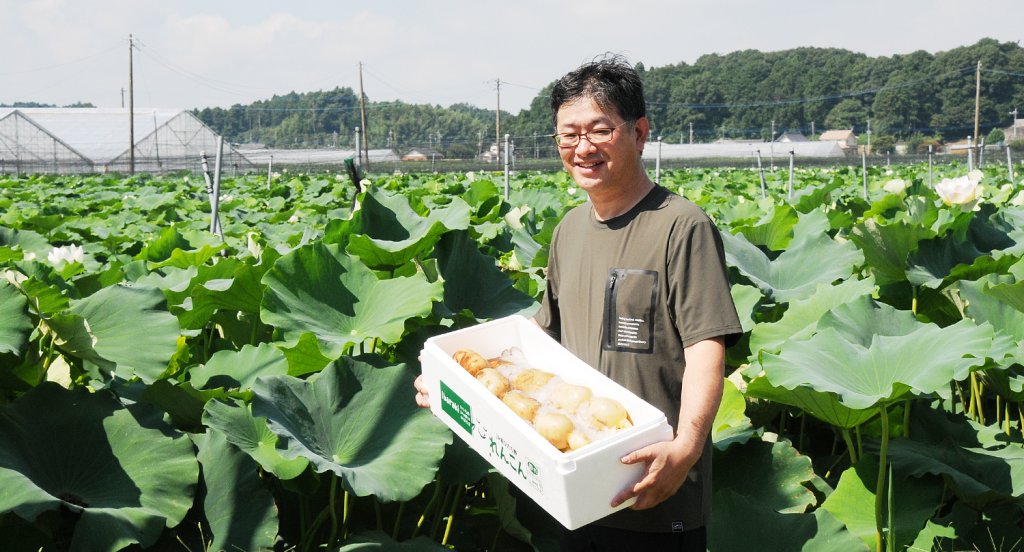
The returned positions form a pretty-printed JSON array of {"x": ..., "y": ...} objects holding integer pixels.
[{"x": 629, "y": 299}]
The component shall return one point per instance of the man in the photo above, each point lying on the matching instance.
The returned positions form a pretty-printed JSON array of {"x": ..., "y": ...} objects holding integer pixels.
[{"x": 637, "y": 289}]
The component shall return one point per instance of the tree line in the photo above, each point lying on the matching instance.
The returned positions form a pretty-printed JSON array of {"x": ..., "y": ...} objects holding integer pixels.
[{"x": 916, "y": 96}]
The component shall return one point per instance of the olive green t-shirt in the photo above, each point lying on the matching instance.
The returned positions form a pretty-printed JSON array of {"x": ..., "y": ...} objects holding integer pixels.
[{"x": 627, "y": 295}]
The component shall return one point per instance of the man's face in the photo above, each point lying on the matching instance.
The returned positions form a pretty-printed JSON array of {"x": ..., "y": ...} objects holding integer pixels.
[{"x": 595, "y": 167}]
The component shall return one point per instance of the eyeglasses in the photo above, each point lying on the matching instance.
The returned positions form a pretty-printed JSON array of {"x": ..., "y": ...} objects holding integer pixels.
[{"x": 595, "y": 136}]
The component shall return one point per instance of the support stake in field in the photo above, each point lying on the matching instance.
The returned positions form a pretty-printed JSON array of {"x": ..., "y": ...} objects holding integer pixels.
[
  {"x": 1009, "y": 163},
  {"x": 792, "y": 158},
  {"x": 760, "y": 171},
  {"x": 506, "y": 167},
  {"x": 864, "y": 170}
]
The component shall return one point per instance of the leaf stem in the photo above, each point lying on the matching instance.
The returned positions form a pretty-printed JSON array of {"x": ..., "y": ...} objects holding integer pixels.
[
  {"x": 437, "y": 518},
  {"x": 906, "y": 417},
  {"x": 428, "y": 508},
  {"x": 377, "y": 512},
  {"x": 880, "y": 485},
  {"x": 398, "y": 520},
  {"x": 451, "y": 513},
  {"x": 332, "y": 507},
  {"x": 344, "y": 514},
  {"x": 849, "y": 446}
]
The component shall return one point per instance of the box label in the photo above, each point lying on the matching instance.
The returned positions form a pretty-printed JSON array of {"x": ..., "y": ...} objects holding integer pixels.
[
  {"x": 504, "y": 456},
  {"x": 456, "y": 408}
]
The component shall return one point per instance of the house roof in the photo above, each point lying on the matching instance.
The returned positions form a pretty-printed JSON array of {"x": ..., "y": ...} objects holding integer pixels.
[{"x": 836, "y": 134}]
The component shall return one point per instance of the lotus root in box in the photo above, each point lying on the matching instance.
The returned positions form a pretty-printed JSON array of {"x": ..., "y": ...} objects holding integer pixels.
[{"x": 576, "y": 486}]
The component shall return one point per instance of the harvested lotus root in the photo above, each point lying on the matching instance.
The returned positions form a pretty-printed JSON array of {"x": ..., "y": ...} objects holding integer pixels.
[
  {"x": 522, "y": 404},
  {"x": 531, "y": 379},
  {"x": 608, "y": 413},
  {"x": 472, "y": 361},
  {"x": 554, "y": 427},
  {"x": 568, "y": 397},
  {"x": 493, "y": 381}
]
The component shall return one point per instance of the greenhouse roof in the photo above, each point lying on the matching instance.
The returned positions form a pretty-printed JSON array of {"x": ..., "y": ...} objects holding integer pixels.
[
  {"x": 733, "y": 150},
  {"x": 100, "y": 134}
]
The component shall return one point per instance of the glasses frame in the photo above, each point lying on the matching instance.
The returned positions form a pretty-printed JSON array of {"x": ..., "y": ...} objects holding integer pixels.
[{"x": 581, "y": 135}]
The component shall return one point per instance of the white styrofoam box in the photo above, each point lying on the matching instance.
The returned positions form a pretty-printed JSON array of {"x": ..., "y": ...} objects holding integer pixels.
[{"x": 575, "y": 487}]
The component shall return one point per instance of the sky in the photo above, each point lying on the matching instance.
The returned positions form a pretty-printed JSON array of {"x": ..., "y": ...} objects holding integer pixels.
[{"x": 216, "y": 53}]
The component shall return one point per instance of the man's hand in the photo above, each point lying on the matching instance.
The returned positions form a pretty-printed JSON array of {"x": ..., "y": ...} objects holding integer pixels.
[
  {"x": 667, "y": 466},
  {"x": 422, "y": 399},
  {"x": 669, "y": 462}
]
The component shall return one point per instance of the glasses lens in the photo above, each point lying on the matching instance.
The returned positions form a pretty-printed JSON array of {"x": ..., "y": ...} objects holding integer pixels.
[
  {"x": 600, "y": 135},
  {"x": 567, "y": 140}
]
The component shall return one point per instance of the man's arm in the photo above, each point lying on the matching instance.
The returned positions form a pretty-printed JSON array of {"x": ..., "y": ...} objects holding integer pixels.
[{"x": 668, "y": 462}]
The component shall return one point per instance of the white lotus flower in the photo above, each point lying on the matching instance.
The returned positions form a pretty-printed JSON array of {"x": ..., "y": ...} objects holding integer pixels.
[
  {"x": 294, "y": 218},
  {"x": 964, "y": 191},
  {"x": 888, "y": 172},
  {"x": 571, "y": 190},
  {"x": 895, "y": 186},
  {"x": 31, "y": 256},
  {"x": 252, "y": 245},
  {"x": 66, "y": 254},
  {"x": 1018, "y": 199},
  {"x": 470, "y": 176}
]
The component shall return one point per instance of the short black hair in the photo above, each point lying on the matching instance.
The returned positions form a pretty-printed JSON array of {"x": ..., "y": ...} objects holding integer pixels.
[{"x": 610, "y": 81}]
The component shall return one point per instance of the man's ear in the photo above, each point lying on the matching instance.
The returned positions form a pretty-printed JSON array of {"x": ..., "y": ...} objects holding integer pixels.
[{"x": 642, "y": 130}]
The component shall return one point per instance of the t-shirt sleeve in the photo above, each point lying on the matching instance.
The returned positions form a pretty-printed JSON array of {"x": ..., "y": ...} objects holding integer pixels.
[{"x": 699, "y": 291}]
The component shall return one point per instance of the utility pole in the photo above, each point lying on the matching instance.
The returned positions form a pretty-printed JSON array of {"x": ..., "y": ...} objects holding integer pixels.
[
  {"x": 497, "y": 123},
  {"x": 1014, "y": 125},
  {"x": 362, "y": 116},
  {"x": 812, "y": 128},
  {"x": 977, "y": 105},
  {"x": 131, "y": 110},
  {"x": 691, "y": 132},
  {"x": 869, "y": 137},
  {"x": 122, "y": 97}
]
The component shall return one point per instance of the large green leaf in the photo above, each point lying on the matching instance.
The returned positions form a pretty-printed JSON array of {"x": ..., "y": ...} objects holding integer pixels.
[
  {"x": 731, "y": 422},
  {"x": 773, "y": 474},
  {"x": 801, "y": 318},
  {"x": 853, "y": 502},
  {"x": 812, "y": 258},
  {"x": 977, "y": 475},
  {"x": 84, "y": 452},
  {"x": 319, "y": 288},
  {"x": 252, "y": 436},
  {"x": 15, "y": 324},
  {"x": 391, "y": 233},
  {"x": 774, "y": 230},
  {"x": 122, "y": 329},
  {"x": 887, "y": 246},
  {"x": 822, "y": 405},
  {"x": 239, "y": 369},
  {"x": 239, "y": 509},
  {"x": 472, "y": 281},
  {"x": 766, "y": 530},
  {"x": 892, "y": 367},
  {"x": 356, "y": 419},
  {"x": 862, "y": 320}
]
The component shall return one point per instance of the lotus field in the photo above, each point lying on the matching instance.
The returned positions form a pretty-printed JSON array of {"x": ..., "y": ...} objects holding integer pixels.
[{"x": 161, "y": 389}]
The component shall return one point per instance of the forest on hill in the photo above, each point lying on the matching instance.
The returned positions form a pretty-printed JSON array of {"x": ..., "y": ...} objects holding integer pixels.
[{"x": 743, "y": 94}]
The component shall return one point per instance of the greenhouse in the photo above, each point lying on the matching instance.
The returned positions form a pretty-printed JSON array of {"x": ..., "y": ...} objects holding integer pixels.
[{"x": 83, "y": 140}]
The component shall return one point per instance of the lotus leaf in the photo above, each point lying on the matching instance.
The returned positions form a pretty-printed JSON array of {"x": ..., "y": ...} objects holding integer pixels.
[
  {"x": 766, "y": 530},
  {"x": 240, "y": 511},
  {"x": 319, "y": 288},
  {"x": 239, "y": 369},
  {"x": 15, "y": 324},
  {"x": 356, "y": 419},
  {"x": 122, "y": 329},
  {"x": 252, "y": 436},
  {"x": 473, "y": 282},
  {"x": 127, "y": 481},
  {"x": 812, "y": 258},
  {"x": 890, "y": 368}
]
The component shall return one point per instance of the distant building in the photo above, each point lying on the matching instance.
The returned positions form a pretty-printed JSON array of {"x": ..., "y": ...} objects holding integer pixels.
[
  {"x": 423, "y": 154},
  {"x": 1015, "y": 131},
  {"x": 787, "y": 137},
  {"x": 845, "y": 138}
]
